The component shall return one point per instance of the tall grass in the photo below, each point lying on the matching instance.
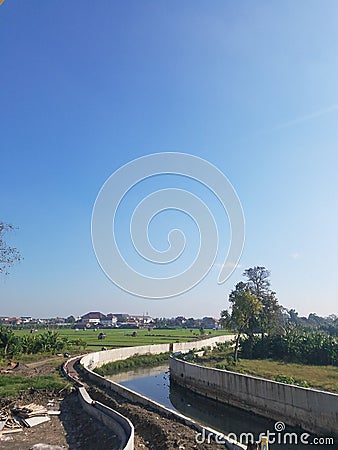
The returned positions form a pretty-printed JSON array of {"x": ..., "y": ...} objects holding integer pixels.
[{"x": 14, "y": 384}]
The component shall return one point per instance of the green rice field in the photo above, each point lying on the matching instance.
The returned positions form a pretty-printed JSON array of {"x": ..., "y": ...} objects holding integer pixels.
[{"x": 118, "y": 337}]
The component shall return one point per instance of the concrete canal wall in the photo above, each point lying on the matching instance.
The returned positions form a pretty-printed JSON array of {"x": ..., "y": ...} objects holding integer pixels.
[
  {"x": 97, "y": 359},
  {"x": 121, "y": 425},
  {"x": 313, "y": 410}
]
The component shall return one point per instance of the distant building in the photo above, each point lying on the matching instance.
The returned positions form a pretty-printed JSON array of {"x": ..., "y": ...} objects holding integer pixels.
[
  {"x": 93, "y": 317},
  {"x": 141, "y": 320},
  {"x": 96, "y": 318},
  {"x": 81, "y": 325},
  {"x": 109, "y": 320},
  {"x": 26, "y": 319},
  {"x": 55, "y": 321},
  {"x": 14, "y": 320},
  {"x": 121, "y": 318}
]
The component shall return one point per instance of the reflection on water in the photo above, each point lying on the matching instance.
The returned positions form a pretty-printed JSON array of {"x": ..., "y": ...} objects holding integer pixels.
[
  {"x": 154, "y": 383},
  {"x": 140, "y": 372}
]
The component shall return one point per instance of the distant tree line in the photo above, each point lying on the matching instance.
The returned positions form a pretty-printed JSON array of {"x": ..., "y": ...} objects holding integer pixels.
[
  {"x": 328, "y": 324},
  {"x": 264, "y": 329}
]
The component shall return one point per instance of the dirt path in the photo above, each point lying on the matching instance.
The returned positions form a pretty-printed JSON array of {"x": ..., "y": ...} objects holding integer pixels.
[
  {"x": 42, "y": 362},
  {"x": 46, "y": 366}
]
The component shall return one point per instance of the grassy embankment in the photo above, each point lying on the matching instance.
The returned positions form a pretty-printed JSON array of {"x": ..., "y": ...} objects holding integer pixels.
[
  {"x": 132, "y": 363},
  {"x": 318, "y": 377}
]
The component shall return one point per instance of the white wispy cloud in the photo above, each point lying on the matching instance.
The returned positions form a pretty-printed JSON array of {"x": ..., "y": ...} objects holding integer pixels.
[
  {"x": 298, "y": 120},
  {"x": 295, "y": 255},
  {"x": 306, "y": 117}
]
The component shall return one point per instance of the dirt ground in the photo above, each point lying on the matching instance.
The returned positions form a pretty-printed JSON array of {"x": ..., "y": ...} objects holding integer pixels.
[
  {"x": 72, "y": 429},
  {"x": 41, "y": 367},
  {"x": 152, "y": 431},
  {"x": 75, "y": 429}
]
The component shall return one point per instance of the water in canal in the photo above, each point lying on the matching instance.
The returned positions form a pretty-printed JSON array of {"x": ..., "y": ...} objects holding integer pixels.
[{"x": 154, "y": 383}]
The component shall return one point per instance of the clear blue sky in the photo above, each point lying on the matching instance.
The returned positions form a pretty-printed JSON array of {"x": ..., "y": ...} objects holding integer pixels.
[{"x": 88, "y": 86}]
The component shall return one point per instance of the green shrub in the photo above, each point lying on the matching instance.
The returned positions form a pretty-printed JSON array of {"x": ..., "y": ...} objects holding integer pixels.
[
  {"x": 220, "y": 366},
  {"x": 291, "y": 380}
]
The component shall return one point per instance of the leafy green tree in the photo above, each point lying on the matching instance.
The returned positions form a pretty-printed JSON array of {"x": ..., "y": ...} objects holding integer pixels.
[
  {"x": 270, "y": 316},
  {"x": 8, "y": 341},
  {"x": 51, "y": 341},
  {"x": 30, "y": 344},
  {"x": 258, "y": 280},
  {"x": 293, "y": 314},
  {"x": 242, "y": 317},
  {"x": 8, "y": 255}
]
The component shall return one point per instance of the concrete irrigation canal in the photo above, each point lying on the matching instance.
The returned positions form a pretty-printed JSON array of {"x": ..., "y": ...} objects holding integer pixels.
[
  {"x": 154, "y": 383},
  {"x": 211, "y": 423}
]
